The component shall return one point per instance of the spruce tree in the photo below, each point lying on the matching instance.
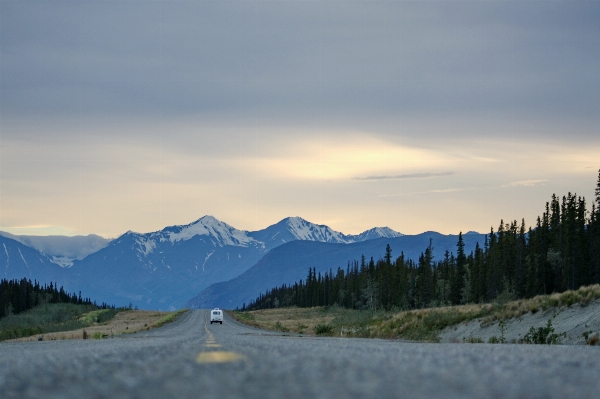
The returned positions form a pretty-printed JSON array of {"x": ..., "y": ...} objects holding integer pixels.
[
  {"x": 594, "y": 236},
  {"x": 458, "y": 280}
]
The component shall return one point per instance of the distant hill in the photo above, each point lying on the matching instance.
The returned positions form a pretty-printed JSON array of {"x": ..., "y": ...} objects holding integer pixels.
[
  {"x": 19, "y": 261},
  {"x": 289, "y": 263},
  {"x": 62, "y": 250}
]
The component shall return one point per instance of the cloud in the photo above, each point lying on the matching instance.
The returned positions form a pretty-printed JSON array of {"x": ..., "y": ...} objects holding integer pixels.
[
  {"x": 525, "y": 183},
  {"x": 293, "y": 62},
  {"x": 406, "y": 176},
  {"x": 131, "y": 115},
  {"x": 437, "y": 191}
]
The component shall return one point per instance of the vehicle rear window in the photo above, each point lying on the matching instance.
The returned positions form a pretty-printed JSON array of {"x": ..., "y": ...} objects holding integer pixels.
[{"x": 216, "y": 313}]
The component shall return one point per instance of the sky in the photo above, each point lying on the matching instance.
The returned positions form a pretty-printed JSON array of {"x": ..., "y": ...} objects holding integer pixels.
[{"x": 428, "y": 115}]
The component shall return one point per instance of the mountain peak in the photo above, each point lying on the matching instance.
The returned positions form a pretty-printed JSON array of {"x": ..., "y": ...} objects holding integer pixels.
[
  {"x": 207, "y": 219},
  {"x": 374, "y": 233},
  {"x": 302, "y": 229},
  {"x": 295, "y": 219},
  {"x": 209, "y": 226}
]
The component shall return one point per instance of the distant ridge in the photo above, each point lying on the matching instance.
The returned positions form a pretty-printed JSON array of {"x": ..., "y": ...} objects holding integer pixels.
[
  {"x": 289, "y": 263},
  {"x": 62, "y": 250},
  {"x": 296, "y": 228}
]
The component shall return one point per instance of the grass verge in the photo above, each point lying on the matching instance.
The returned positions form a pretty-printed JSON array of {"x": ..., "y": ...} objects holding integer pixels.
[
  {"x": 60, "y": 322},
  {"x": 416, "y": 325},
  {"x": 171, "y": 317}
]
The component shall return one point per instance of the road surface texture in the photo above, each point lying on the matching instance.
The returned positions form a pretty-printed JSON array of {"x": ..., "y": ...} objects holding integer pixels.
[{"x": 193, "y": 359}]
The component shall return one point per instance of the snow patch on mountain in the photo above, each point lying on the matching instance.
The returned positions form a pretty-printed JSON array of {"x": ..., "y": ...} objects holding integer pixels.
[
  {"x": 377, "y": 232},
  {"x": 146, "y": 244},
  {"x": 306, "y": 231},
  {"x": 62, "y": 261}
]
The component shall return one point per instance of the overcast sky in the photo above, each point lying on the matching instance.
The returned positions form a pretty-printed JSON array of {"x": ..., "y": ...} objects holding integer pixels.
[{"x": 425, "y": 115}]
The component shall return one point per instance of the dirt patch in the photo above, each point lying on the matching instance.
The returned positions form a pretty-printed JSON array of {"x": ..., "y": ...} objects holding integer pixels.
[
  {"x": 125, "y": 322},
  {"x": 575, "y": 323}
]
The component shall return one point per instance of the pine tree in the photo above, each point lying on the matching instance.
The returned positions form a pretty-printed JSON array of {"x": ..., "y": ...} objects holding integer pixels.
[
  {"x": 458, "y": 280},
  {"x": 594, "y": 236},
  {"x": 388, "y": 255}
]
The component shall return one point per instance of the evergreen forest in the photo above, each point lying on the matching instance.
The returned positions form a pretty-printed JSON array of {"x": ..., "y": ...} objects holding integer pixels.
[
  {"x": 17, "y": 296},
  {"x": 561, "y": 252}
]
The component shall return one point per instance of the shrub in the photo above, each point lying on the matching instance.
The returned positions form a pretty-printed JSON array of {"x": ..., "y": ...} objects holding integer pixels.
[
  {"x": 591, "y": 340},
  {"x": 493, "y": 340},
  {"x": 473, "y": 340},
  {"x": 542, "y": 335},
  {"x": 323, "y": 329},
  {"x": 280, "y": 327},
  {"x": 97, "y": 335},
  {"x": 301, "y": 328},
  {"x": 502, "y": 325}
]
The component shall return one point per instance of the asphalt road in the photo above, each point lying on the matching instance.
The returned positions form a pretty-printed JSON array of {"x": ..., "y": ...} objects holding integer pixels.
[{"x": 194, "y": 359}]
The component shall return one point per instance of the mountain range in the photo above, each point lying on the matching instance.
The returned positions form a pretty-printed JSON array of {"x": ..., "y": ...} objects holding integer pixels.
[{"x": 164, "y": 269}]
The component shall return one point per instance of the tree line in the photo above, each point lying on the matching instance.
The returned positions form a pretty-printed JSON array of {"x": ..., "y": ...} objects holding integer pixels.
[
  {"x": 561, "y": 252},
  {"x": 17, "y": 296}
]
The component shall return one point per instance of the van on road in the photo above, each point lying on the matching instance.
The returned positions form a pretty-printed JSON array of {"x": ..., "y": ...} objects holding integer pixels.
[{"x": 216, "y": 316}]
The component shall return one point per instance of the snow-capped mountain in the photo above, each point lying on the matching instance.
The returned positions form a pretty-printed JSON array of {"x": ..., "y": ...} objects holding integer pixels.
[
  {"x": 296, "y": 228},
  {"x": 164, "y": 269},
  {"x": 376, "y": 232},
  {"x": 220, "y": 234}
]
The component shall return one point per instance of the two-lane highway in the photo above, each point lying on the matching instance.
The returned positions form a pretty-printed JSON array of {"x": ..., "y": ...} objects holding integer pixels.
[{"x": 193, "y": 359}]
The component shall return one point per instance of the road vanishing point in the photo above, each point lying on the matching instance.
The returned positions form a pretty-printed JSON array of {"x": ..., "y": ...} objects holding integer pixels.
[{"x": 191, "y": 358}]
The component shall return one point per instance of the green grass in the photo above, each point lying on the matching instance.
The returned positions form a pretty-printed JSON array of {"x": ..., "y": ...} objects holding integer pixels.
[
  {"x": 99, "y": 316},
  {"x": 171, "y": 317},
  {"x": 280, "y": 327},
  {"x": 51, "y": 317}
]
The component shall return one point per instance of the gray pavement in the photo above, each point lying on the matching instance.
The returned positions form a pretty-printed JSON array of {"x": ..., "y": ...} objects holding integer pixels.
[{"x": 194, "y": 359}]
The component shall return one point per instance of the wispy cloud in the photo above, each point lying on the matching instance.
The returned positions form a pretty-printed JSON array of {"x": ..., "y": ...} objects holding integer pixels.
[
  {"x": 406, "y": 176},
  {"x": 525, "y": 183},
  {"x": 39, "y": 226},
  {"x": 438, "y": 191}
]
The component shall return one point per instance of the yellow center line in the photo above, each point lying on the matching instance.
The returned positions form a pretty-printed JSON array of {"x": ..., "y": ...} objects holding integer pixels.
[{"x": 217, "y": 356}]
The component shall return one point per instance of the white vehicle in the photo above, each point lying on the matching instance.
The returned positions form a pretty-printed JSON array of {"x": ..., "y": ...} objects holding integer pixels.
[{"x": 216, "y": 316}]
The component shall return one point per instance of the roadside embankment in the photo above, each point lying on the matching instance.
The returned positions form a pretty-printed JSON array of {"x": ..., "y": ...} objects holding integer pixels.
[
  {"x": 575, "y": 324},
  {"x": 571, "y": 317}
]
